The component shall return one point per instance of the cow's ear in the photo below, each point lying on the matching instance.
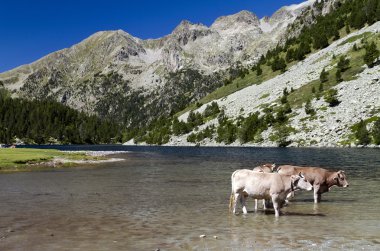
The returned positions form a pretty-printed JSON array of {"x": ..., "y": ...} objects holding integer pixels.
[
  {"x": 295, "y": 177},
  {"x": 274, "y": 168}
]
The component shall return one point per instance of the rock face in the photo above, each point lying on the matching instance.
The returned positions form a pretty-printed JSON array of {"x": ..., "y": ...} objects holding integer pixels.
[
  {"x": 76, "y": 75},
  {"x": 359, "y": 99}
]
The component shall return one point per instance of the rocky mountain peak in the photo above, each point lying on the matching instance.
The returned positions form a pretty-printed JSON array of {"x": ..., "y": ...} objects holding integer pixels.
[
  {"x": 186, "y": 26},
  {"x": 291, "y": 11},
  {"x": 244, "y": 17},
  {"x": 187, "y": 32}
]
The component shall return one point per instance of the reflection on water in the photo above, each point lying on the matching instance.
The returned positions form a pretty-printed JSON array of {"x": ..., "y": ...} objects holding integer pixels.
[{"x": 167, "y": 197}]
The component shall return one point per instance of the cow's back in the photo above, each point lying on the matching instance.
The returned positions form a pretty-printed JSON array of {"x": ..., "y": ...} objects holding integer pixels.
[
  {"x": 258, "y": 184},
  {"x": 312, "y": 174}
]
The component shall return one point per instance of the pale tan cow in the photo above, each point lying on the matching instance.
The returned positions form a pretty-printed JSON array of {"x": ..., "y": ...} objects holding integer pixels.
[
  {"x": 321, "y": 179},
  {"x": 265, "y": 168},
  {"x": 274, "y": 186}
]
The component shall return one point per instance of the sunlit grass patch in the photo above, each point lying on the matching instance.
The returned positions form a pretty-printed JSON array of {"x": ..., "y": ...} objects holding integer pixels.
[{"x": 19, "y": 159}]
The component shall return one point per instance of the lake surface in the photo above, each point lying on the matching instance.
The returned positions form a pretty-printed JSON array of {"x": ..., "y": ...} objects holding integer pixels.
[{"x": 166, "y": 197}]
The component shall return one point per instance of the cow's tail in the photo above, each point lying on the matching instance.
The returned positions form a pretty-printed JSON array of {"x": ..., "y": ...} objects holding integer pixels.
[{"x": 232, "y": 197}]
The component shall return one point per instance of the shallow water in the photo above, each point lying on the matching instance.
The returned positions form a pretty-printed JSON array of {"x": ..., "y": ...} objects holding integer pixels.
[{"x": 167, "y": 197}]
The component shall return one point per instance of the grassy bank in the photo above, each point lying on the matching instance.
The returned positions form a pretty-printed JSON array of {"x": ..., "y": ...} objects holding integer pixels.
[{"x": 22, "y": 159}]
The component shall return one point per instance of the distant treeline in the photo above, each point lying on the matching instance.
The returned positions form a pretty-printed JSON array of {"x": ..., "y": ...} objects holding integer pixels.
[{"x": 44, "y": 122}]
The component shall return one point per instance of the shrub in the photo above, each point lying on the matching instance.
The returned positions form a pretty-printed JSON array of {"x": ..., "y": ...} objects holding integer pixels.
[
  {"x": 309, "y": 109},
  {"x": 375, "y": 132},
  {"x": 331, "y": 97},
  {"x": 343, "y": 64},
  {"x": 278, "y": 64},
  {"x": 281, "y": 135},
  {"x": 180, "y": 127},
  {"x": 194, "y": 119},
  {"x": 211, "y": 110},
  {"x": 362, "y": 134},
  {"x": 227, "y": 132},
  {"x": 250, "y": 127}
]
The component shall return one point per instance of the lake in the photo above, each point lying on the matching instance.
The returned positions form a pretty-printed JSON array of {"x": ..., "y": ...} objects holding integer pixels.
[{"x": 166, "y": 197}]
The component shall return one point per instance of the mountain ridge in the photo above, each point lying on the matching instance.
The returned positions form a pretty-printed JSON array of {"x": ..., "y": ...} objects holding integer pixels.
[
  {"x": 240, "y": 17},
  {"x": 115, "y": 75}
]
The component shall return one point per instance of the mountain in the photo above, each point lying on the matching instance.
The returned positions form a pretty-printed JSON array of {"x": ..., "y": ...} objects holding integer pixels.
[
  {"x": 306, "y": 76},
  {"x": 88, "y": 75},
  {"x": 331, "y": 125}
]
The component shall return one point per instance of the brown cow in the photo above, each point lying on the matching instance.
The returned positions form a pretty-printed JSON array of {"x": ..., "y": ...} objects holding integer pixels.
[{"x": 321, "y": 179}]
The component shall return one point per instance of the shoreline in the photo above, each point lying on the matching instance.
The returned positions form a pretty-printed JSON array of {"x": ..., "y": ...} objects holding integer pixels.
[
  {"x": 237, "y": 145},
  {"x": 27, "y": 160}
]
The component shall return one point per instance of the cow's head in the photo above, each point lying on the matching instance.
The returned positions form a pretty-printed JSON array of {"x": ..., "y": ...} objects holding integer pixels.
[
  {"x": 265, "y": 168},
  {"x": 272, "y": 167},
  {"x": 300, "y": 182},
  {"x": 340, "y": 179}
]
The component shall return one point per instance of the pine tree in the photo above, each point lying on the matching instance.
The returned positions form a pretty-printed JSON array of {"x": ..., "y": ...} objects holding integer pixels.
[
  {"x": 343, "y": 64},
  {"x": 336, "y": 34},
  {"x": 362, "y": 134},
  {"x": 278, "y": 64},
  {"x": 370, "y": 10},
  {"x": 259, "y": 71},
  {"x": 309, "y": 109},
  {"x": 348, "y": 29},
  {"x": 358, "y": 18},
  {"x": 375, "y": 132},
  {"x": 321, "y": 87},
  {"x": 290, "y": 55},
  {"x": 338, "y": 76},
  {"x": 324, "y": 77},
  {"x": 320, "y": 40},
  {"x": 371, "y": 54}
]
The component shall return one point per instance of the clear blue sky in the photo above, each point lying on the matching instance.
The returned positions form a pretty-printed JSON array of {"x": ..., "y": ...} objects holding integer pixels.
[{"x": 32, "y": 29}]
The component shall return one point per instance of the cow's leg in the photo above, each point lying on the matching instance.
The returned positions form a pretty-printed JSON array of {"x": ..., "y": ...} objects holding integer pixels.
[
  {"x": 264, "y": 205},
  {"x": 317, "y": 195},
  {"x": 276, "y": 205},
  {"x": 236, "y": 199},
  {"x": 256, "y": 202},
  {"x": 244, "y": 204},
  {"x": 290, "y": 195}
]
